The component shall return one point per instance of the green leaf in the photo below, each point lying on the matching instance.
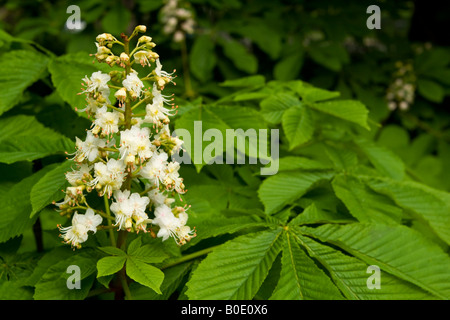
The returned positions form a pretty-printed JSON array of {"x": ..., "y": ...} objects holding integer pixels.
[
  {"x": 110, "y": 265},
  {"x": 134, "y": 245},
  {"x": 112, "y": 251},
  {"x": 289, "y": 67},
  {"x": 364, "y": 204},
  {"x": 350, "y": 275},
  {"x": 236, "y": 269},
  {"x": 202, "y": 58},
  {"x": 250, "y": 81},
  {"x": 290, "y": 163},
  {"x": 150, "y": 254},
  {"x": 53, "y": 284},
  {"x": 15, "y": 209},
  {"x": 298, "y": 126},
  {"x": 228, "y": 124},
  {"x": 144, "y": 274},
  {"x": 18, "y": 70},
  {"x": 284, "y": 188},
  {"x": 349, "y": 110},
  {"x": 173, "y": 277},
  {"x": 430, "y": 90},
  {"x": 67, "y": 72},
  {"x": 387, "y": 162},
  {"x": 430, "y": 204},
  {"x": 312, "y": 94},
  {"x": 300, "y": 278},
  {"x": 314, "y": 215},
  {"x": 273, "y": 107},
  {"x": 50, "y": 187},
  {"x": 24, "y": 138},
  {"x": 238, "y": 54},
  {"x": 117, "y": 19},
  {"x": 398, "y": 250}
]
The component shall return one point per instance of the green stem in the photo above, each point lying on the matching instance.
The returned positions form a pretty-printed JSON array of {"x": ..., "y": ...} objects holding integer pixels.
[
  {"x": 114, "y": 108},
  {"x": 188, "y": 257},
  {"x": 108, "y": 212},
  {"x": 138, "y": 104},
  {"x": 187, "y": 77}
]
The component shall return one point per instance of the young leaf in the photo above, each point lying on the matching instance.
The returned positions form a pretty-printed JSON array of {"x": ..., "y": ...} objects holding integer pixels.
[
  {"x": 349, "y": 110},
  {"x": 144, "y": 274},
  {"x": 298, "y": 126},
  {"x": 273, "y": 107},
  {"x": 110, "y": 265},
  {"x": 236, "y": 269}
]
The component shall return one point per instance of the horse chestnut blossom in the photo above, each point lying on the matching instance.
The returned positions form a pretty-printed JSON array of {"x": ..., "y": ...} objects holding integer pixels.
[{"x": 125, "y": 157}]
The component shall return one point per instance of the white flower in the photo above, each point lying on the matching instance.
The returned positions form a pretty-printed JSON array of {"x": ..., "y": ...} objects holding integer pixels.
[
  {"x": 98, "y": 82},
  {"x": 139, "y": 204},
  {"x": 133, "y": 84},
  {"x": 163, "y": 76},
  {"x": 107, "y": 122},
  {"x": 136, "y": 142},
  {"x": 171, "y": 226},
  {"x": 76, "y": 175},
  {"x": 142, "y": 56},
  {"x": 78, "y": 232},
  {"x": 121, "y": 95},
  {"x": 109, "y": 176},
  {"x": 88, "y": 149},
  {"x": 158, "y": 198},
  {"x": 153, "y": 170},
  {"x": 166, "y": 221},
  {"x": 123, "y": 213}
]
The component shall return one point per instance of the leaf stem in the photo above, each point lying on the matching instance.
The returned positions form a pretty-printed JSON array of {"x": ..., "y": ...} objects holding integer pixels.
[{"x": 108, "y": 212}]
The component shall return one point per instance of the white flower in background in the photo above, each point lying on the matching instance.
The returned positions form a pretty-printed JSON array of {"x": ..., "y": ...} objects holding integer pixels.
[
  {"x": 88, "y": 149},
  {"x": 133, "y": 84}
]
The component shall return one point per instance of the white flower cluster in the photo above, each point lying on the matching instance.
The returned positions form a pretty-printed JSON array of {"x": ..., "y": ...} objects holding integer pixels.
[
  {"x": 177, "y": 20},
  {"x": 124, "y": 151},
  {"x": 401, "y": 91}
]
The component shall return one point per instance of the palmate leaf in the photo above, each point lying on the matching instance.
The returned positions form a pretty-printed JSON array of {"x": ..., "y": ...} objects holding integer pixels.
[
  {"x": 397, "y": 250},
  {"x": 18, "y": 70},
  {"x": 300, "y": 278},
  {"x": 350, "y": 275},
  {"x": 236, "y": 269}
]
